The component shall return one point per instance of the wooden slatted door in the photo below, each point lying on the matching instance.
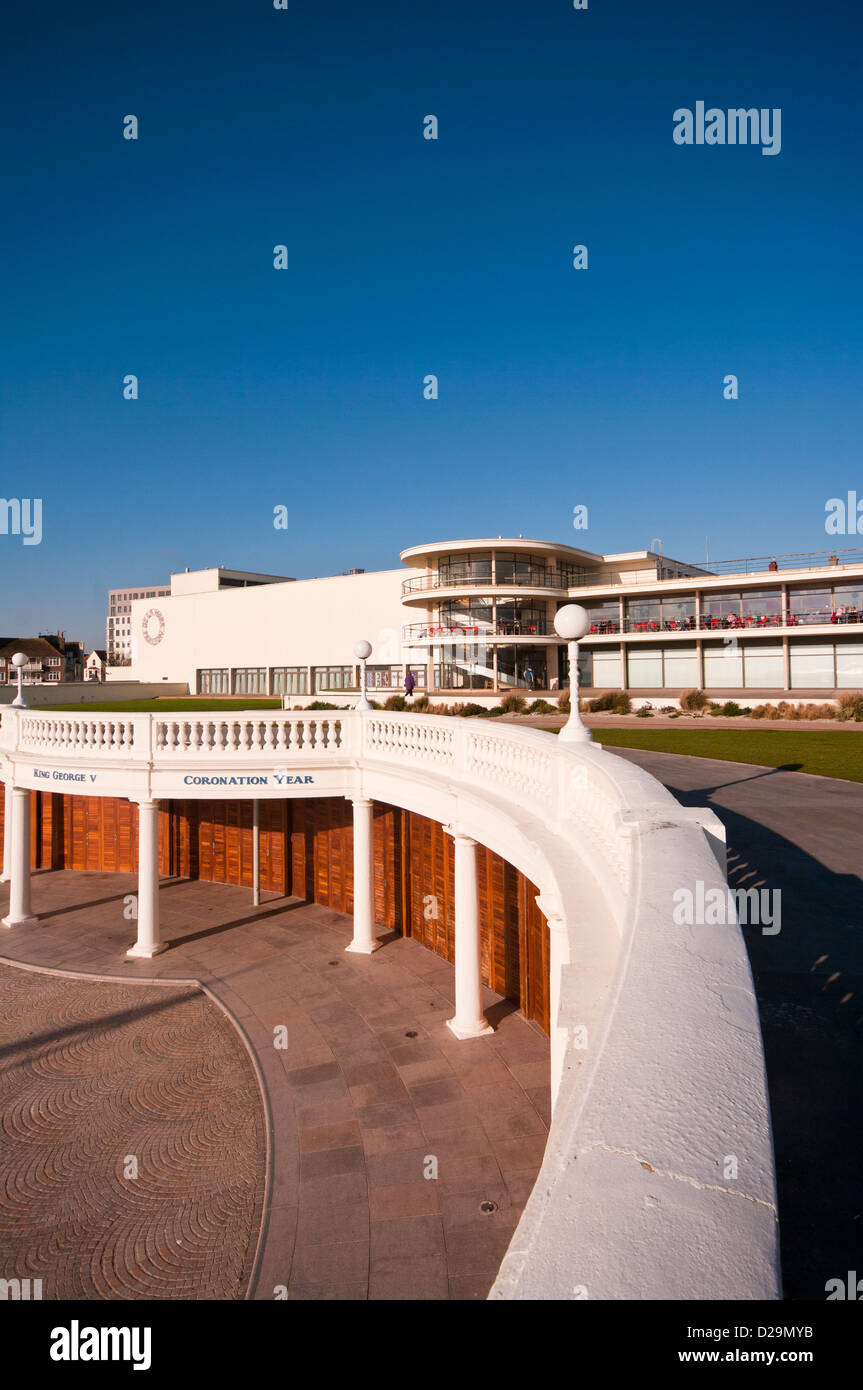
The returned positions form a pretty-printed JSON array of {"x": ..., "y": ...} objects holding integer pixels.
[
  {"x": 499, "y": 916},
  {"x": 431, "y": 885},
  {"x": 389, "y": 866},
  {"x": 535, "y": 956}
]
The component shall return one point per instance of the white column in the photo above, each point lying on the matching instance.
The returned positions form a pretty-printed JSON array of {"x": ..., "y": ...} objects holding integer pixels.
[
  {"x": 256, "y": 853},
  {"x": 364, "y": 881},
  {"x": 469, "y": 1021},
  {"x": 148, "y": 943},
  {"x": 19, "y": 914},
  {"x": 7, "y": 835}
]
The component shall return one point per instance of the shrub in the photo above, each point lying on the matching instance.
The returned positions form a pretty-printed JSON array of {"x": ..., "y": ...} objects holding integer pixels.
[
  {"x": 395, "y": 702},
  {"x": 729, "y": 710},
  {"x": 324, "y": 704},
  {"x": 645, "y": 712},
  {"x": 470, "y": 709},
  {"x": 563, "y": 705},
  {"x": 669, "y": 709},
  {"x": 422, "y": 704},
  {"x": 541, "y": 707},
  {"x": 492, "y": 713},
  {"x": 693, "y": 701},
  {"x": 612, "y": 701},
  {"x": 513, "y": 703},
  {"x": 850, "y": 706}
]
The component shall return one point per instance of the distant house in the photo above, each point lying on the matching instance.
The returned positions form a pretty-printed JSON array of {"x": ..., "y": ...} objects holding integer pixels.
[
  {"x": 49, "y": 658},
  {"x": 95, "y": 665}
]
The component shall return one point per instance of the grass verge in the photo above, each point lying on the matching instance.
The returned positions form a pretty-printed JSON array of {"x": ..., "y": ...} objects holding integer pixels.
[{"x": 832, "y": 753}]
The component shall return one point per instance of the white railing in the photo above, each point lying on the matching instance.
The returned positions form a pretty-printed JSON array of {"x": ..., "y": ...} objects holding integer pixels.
[{"x": 675, "y": 1055}]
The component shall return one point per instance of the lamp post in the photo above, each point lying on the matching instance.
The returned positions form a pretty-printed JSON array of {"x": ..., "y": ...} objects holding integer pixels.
[
  {"x": 571, "y": 623},
  {"x": 363, "y": 650},
  {"x": 20, "y": 660}
]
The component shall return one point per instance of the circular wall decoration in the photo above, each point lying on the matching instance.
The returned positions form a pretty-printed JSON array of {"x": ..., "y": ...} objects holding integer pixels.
[{"x": 153, "y": 626}]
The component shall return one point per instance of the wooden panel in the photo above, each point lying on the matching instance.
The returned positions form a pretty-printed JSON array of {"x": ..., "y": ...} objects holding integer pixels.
[
  {"x": 431, "y": 892},
  {"x": 389, "y": 866},
  {"x": 536, "y": 957}
]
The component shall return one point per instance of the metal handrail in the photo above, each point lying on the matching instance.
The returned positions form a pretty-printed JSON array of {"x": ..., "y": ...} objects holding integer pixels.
[
  {"x": 467, "y": 632},
  {"x": 536, "y": 579}
]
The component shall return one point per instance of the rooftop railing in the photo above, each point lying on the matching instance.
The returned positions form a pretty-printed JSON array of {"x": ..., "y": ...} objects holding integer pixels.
[{"x": 711, "y": 569}]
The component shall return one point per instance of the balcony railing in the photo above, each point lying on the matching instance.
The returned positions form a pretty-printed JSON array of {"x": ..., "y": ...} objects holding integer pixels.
[
  {"x": 713, "y": 622},
  {"x": 474, "y": 632},
  {"x": 831, "y": 560},
  {"x": 535, "y": 578}
]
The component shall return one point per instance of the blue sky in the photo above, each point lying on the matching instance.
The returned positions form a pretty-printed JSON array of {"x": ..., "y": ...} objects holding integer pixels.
[{"x": 303, "y": 388}]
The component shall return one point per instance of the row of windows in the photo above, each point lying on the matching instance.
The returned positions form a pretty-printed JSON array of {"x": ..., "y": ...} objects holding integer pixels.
[
  {"x": 538, "y": 570},
  {"x": 294, "y": 680},
  {"x": 755, "y": 665}
]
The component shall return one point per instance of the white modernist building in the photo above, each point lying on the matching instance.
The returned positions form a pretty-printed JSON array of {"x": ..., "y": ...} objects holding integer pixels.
[{"x": 473, "y": 618}]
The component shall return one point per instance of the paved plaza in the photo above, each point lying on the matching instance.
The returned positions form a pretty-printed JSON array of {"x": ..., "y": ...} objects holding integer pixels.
[{"x": 285, "y": 1147}]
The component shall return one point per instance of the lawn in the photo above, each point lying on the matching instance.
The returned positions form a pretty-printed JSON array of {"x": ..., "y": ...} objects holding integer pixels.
[
  {"x": 833, "y": 753},
  {"x": 167, "y": 706}
]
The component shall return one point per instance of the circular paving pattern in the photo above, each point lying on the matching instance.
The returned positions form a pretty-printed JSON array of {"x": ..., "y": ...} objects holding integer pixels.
[{"x": 132, "y": 1141}]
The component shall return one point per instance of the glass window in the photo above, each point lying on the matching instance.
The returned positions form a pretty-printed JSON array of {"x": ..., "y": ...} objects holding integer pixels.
[
  {"x": 213, "y": 682},
  {"x": 515, "y": 617},
  {"x": 643, "y": 615},
  {"x": 335, "y": 678},
  {"x": 811, "y": 605},
  {"x": 763, "y": 666},
  {"x": 848, "y": 603},
  {"x": 289, "y": 680},
  {"x": 604, "y": 616},
  {"x": 812, "y": 665},
  {"x": 522, "y": 667},
  {"x": 678, "y": 613},
  {"x": 681, "y": 667},
  {"x": 384, "y": 677},
  {"x": 849, "y": 665},
  {"x": 723, "y": 667},
  {"x": 607, "y": 668},
  {"x": 720, "y": 605},
  {"x": 471, "y": 613},
  {"x": 645, "y": 668},
  {"x": 464, "y": 569},
  {"x": 763, "y": 603},
  {"x": 570, "y": 576},
  {"x": 250, "y": 680}
]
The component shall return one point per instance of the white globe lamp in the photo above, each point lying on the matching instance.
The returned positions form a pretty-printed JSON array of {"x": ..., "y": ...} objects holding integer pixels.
[
  {"x": 363, "y": 650},
  {"x": 20, "y": 660},
  {"x": 571, "y": 623}
]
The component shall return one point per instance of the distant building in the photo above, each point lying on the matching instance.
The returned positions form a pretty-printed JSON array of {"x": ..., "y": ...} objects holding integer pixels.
[
  {"x": 118, "y": 643},
  {"x": 50, "y": 658},
  {"x": 119, "y": 622},
  {"x": 95, "y": 665}
]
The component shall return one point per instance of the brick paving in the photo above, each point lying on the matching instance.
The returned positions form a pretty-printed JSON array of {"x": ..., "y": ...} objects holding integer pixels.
[
  {"x": 371, "y": 1093},
  {"x": 131, "y": 1141}
]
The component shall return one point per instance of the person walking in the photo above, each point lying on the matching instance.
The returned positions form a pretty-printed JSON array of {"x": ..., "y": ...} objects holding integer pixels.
[
  {"x": 529, "y": 677},
  {"x": 410, "y": 684}
]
